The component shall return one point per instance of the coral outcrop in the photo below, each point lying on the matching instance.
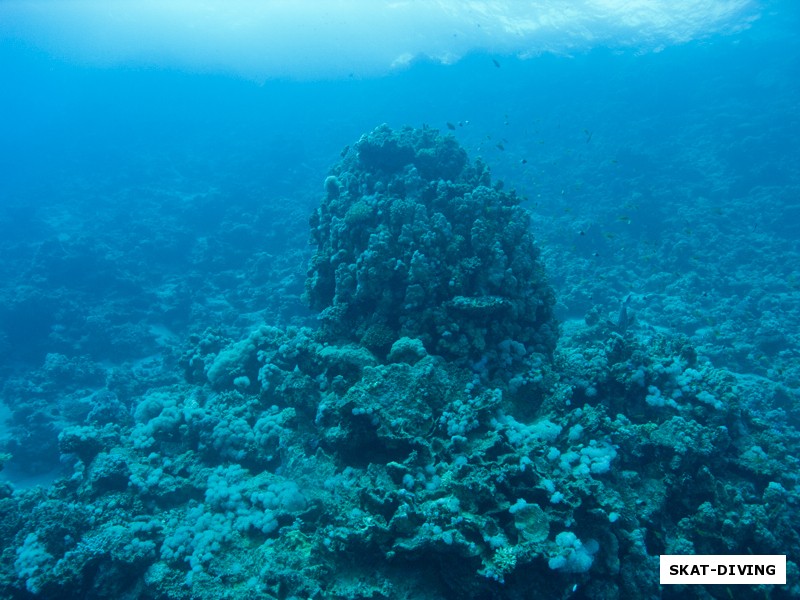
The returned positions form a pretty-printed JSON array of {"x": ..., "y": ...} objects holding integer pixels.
[{"x": 414, "y": 241}]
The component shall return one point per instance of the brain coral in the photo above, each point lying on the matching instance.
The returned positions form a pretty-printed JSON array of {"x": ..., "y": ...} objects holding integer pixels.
[{"x": 414, "y": 241}]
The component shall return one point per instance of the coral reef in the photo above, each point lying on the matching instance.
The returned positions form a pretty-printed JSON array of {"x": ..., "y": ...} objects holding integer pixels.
[{"x": 377, "y": 457}]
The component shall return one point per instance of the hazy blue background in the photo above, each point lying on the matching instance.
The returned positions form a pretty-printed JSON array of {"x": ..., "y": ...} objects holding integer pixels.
[{"x": 137, "y": 100}]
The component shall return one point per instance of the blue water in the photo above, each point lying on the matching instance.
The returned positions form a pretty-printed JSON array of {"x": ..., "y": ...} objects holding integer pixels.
[{"x": 153, "y": 214}]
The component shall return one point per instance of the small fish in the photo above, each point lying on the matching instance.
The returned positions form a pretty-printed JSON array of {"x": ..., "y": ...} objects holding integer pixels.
[
  {"x": 450, "y": 126},
  {"x": 588, "y": 134},
  {"x": 524, "y": 161},
  {"x": 344, "y": 151},
  {"x": 623, "y": 318},
  {"x": 500, "y": 146},
  {"x": 496, "y": 64}
]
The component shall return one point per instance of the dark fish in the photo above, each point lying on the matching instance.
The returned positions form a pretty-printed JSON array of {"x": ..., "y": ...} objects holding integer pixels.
[
  {"x": 344, "y": 151},
  {"x": 524, "y": 161},
  {"x": 589, "y": 135},
  {"x": 450, "y": 126},
  {"x": 623, "y": 318},
  {"x": 496, "y": 64},
  {"x": 501, "y": 147}
]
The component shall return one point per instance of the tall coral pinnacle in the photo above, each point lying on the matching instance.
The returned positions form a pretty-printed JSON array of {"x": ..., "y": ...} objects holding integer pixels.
[{"x": 413, "y": 240}]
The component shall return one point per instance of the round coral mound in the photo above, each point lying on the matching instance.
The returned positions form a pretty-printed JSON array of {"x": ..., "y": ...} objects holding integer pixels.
[{"x": 414, "y": 241}]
